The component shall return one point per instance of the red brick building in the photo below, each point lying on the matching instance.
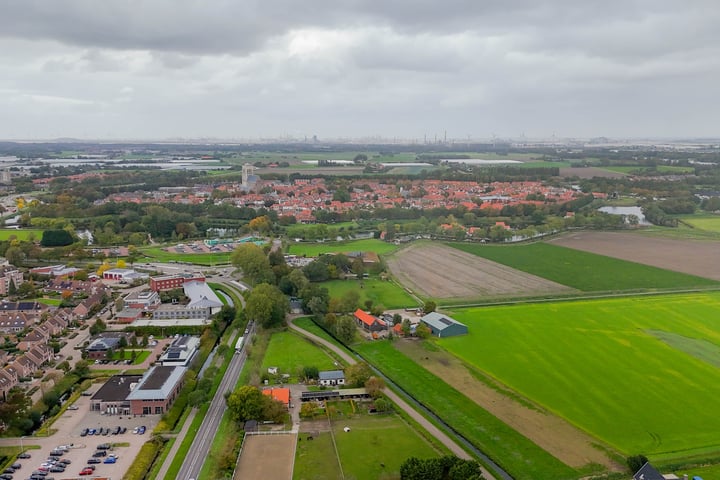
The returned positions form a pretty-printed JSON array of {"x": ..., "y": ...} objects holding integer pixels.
[{"x": 169, "y": 282}]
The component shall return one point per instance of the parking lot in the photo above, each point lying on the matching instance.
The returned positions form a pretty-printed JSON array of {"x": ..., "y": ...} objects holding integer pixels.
[{"x": 68, "y": 428}]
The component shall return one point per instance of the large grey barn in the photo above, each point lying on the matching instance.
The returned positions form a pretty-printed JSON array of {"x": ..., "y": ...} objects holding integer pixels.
[{"x": 443, "y": 326}]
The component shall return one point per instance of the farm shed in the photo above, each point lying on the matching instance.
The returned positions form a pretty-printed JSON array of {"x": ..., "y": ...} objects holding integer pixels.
[
  {"x": 443, "y": 326},
  {"x": 648, "y": 472},
  {"x": 369, "y": 322}
]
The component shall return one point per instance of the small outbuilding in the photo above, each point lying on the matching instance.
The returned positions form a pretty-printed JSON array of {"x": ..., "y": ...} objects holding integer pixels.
[
  {"x": 331, "y": 377},
  {"x": 443, "y": 326}
]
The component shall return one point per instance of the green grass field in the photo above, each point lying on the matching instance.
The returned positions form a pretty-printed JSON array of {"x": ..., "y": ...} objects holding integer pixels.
[
  {"x": 386, "y": 293},
  {"x": 6, "y": 234},
  {"x": 291, "y": 352},
  {"x": 639, "y": 373},
  {"x": 583, "y": 270},
  {"x": 315, "y": 249},
  {"x": 519, "y": 456},
  {"x": 160, "y": 255},
  {"x": 373, "y": 441},
  {"x": 710, "y": 223}
]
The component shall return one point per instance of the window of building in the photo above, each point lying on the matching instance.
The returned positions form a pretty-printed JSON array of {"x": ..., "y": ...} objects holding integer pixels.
[
  {"x": 159, "y": 410},
  {"x": 147, "y": 410}
]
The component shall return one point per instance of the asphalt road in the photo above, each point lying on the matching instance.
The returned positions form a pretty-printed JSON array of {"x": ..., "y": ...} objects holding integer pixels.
[{"x": 200, "y": 448}]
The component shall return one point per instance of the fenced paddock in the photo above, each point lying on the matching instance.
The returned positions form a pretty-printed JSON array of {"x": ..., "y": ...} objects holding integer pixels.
[{"x": 267, "y": 455}]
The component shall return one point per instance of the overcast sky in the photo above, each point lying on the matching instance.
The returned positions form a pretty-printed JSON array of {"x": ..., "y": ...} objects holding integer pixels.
[{"x": 244, "y": 69}]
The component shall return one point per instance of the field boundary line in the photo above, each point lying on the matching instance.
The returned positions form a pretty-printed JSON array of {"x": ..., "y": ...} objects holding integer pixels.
[
  {"x": 581, "y": 297},
  {"x": 332, "y": 437}
]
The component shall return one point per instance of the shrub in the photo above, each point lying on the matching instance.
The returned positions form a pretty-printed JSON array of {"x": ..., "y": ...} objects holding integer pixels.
[{"x": 144, "y": 459}]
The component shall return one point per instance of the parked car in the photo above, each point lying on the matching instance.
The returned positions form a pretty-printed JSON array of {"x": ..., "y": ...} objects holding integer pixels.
[
  {"x": 65, "y": 461},
  {"x": 83, "y": 432},
  {"x": 9, "y": 470},
  {"x": 86, "y": 471},
  {"x": 57, "y": 468},
  {"x": 110, "y": 460},
  {"x": 93, "y": 460},
  {"x": 116, "y": 431},
  {"x": 103, "y": 446},
  {"x": 6, "y": 476},
  {"x": 141, "y": 430},
  {"x": 24, "y": 455},
  {"x": 123, "y": 430},
  {"x": 73, "y": 407},
  {"x": 16, "y": 466},
  {"x": 100, "y": 453}
]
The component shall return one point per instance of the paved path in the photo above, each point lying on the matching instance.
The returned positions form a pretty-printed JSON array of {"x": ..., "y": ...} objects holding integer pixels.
[
  {"x": 176, "y": 446},
  {"x": 432, "y": 429}
]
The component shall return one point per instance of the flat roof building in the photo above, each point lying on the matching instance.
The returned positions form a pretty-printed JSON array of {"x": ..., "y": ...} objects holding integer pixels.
[
  {"x": 111, "y": 398},
  {"x": 157, "y": 390},
  {"x": 181, "y": 351}
]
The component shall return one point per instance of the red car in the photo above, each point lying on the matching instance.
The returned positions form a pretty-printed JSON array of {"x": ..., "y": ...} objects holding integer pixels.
[{"x": 86, "y": 471}]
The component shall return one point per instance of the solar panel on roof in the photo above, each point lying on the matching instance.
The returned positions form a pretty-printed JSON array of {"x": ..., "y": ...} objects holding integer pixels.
[
  {"x": 173, "y": 355},
  {"x": 445, "y": 321}
]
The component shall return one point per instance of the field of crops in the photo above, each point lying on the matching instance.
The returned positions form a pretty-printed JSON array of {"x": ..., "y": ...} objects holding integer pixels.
[
  {"x": 583, "y": 270},
  {"x": 632, "y": 372},
  {"x": 381, "y": 292},
  {"x": 315, "y": 249}
]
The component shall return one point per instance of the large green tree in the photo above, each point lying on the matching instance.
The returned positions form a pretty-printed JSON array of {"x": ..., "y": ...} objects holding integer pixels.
[
  {"x": 253, "y": 263},
  {"x": 267, "y": 305},
  {"x": 245, "y": 403}
]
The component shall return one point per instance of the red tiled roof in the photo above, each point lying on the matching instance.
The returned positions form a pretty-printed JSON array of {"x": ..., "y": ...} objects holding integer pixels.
[
  {"x": 279, "y": 394},
  {"x": 366, "y": 318}
]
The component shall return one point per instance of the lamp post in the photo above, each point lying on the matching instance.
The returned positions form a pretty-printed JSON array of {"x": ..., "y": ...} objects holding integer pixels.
[{"x": 22, "y": 448}]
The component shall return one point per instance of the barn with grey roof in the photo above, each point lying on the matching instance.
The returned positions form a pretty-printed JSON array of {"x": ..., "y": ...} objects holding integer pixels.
[{"x": 443, "y": 326}]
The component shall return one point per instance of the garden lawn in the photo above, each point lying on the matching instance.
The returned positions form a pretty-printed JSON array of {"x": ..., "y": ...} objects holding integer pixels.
[
  {"x": 53, "y": 302},
  {"x": 607, "y": 366},
  {"x": 315, "y": 249},
  {"x": 389, "y": 294},
  {"x": 291, "y": 352},
  {"x": 140, "y": 355},
  {"x": 519, "y": 456},
  {"x": 583, "y": 270}
]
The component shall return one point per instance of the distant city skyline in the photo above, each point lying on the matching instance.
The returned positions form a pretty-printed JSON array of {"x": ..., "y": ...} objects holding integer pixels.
[{"x": 404, "y": 70}]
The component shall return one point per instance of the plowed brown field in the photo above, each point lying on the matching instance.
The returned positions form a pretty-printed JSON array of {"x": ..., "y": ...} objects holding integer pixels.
[
  {"x": 438, "y": 271},
  {"x": 701, "y": 258}
]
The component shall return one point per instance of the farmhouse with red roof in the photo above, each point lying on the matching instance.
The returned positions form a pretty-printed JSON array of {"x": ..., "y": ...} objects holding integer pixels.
[{"x": 369, "y": 322}]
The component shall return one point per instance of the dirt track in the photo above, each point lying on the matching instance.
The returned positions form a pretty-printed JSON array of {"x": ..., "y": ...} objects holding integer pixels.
[
  {"x": 701, "y": 258},
  {"x": 439, "y": 271}
]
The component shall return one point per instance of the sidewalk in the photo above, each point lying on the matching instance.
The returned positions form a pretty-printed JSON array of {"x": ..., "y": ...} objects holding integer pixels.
[{"x": 176, "y": 446}]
